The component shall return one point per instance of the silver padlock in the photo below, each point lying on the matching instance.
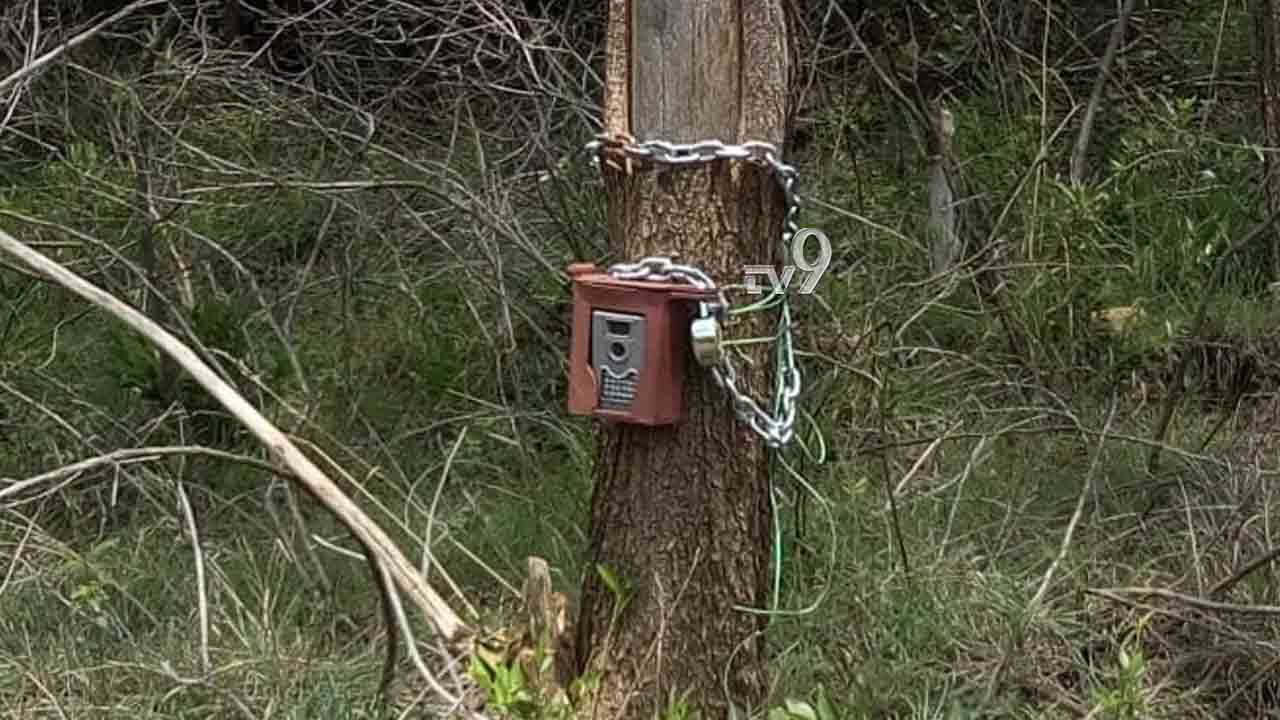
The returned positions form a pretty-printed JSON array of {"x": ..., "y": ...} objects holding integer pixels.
[{"x": 708, "y": 346}]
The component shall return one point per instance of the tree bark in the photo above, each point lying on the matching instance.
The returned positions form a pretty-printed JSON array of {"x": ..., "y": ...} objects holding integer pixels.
[
  {"x": 681, "y": 512},
  {"x": 1268, "y": 26},
  {"x": 944, "y": 241}
]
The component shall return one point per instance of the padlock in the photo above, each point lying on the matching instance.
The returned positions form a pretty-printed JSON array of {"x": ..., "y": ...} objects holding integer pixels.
[{"x": 708, "y": 346}]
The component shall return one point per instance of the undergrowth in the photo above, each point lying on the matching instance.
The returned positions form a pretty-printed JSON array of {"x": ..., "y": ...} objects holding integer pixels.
[{"x": 413, "y": 337}]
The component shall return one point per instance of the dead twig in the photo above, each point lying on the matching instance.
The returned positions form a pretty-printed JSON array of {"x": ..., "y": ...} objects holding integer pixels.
[
  {"x": 1037, "y": 601},
  {"x": 202, "y": 590},
  {"x": 122, "y": 457},
  {"x": 1080, "y": 152},
  {"x": 1245, "y": 570},
  {"x": 427, "y": 554},
  {"x": 41, "y": 62},
  {"x": 1076, "y": 516},
  {"x": 1118, "y": 594}
]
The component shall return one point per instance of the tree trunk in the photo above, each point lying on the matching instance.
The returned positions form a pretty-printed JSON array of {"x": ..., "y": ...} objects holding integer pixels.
[
  {"x": 944, "y": 241},
  {"x": 231, "y": 20},
  {"x": 681, "y": 512},
  {"x": 1268, "y": 21}
]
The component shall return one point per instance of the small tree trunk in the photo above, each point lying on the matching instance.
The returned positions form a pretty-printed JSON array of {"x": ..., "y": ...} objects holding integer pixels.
[
  {"x": 1079, "y": 154},
  {"x": 681, "y": 512},
  {"x": 1268, "y": 25},
  {"x": 230, "y": 20},
  {"x": 944, "y": 241}
]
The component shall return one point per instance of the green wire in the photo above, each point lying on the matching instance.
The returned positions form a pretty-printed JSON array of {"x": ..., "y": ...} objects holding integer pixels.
[
  {"x": 778, "y": 361},
  {"x": 782, "y": 340},
  {"x": 825, "y": 504},
  {"x": 776, "y": 598}
]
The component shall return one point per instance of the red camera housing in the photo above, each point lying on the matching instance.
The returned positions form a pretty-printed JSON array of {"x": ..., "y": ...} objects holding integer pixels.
[{"x": 629, "y": 344}]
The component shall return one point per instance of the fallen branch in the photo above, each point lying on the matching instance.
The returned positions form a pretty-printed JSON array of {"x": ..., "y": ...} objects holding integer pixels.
[
  {"x": 122, "y": 457},
  {"x": 279, "y": 447},
  {"x": 1076, "y": 516},
  {"x": 1247, "y": 569},
  {"x": 1118, "y": 594}
]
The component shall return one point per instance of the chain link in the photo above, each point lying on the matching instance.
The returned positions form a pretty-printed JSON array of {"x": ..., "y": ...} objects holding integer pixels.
[
  {"x": 777, "y": 429},
  {"x": 662, "y": 269}
]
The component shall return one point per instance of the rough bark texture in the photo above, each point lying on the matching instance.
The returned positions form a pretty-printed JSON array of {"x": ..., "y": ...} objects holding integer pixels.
[
  {"x": 685, "y": 69},
  {"x": 1268, "y": 20},
  {"x": 681, "y": 512},
  {"x": 766, "y": 71},
  {"x": 617, "y": 96}
]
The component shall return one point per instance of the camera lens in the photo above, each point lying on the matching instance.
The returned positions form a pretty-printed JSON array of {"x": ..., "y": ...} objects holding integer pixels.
[{"x": 617, "y": 352}]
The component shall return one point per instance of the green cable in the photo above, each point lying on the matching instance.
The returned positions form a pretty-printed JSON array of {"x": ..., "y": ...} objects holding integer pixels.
[
  {"x": 776, "y": 599},
  {"x": 825, "y": 504},
  {"x": 784, "y": 326},
  {"x": 776, "y": 458}
]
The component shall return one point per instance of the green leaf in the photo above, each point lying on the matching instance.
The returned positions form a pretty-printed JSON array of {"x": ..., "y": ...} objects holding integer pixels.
[
  {"x": 825, "y": 709},
  {"x": 617, "y": 585},
  {"x": 103, "y": 547},
  {"x": 481, "y": 672},
  {"x": 800, "y": 710},
  {"x": 611, "y": 580},
  {"x": 84, "y": 593}
]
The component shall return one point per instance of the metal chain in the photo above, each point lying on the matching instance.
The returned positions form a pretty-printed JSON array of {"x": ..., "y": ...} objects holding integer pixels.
[
  {"x": 662, "y": 269},
  {"x": 778, "y": 429},
  {"x": 668, "y": 153}
]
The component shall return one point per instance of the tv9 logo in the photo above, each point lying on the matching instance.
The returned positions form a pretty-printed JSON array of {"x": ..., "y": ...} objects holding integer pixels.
[{"x": 799, "y": 261}]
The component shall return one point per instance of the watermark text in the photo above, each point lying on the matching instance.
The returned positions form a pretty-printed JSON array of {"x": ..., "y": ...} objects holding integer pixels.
[{"x": 799, "y": 261}]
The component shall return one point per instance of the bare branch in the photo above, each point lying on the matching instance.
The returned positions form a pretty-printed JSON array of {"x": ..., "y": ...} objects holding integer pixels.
[
  {"x": 1080, "y": 152},
  {"x": 1192, "y": 601},
  {"x": 202, "y": 592},
  {"x": 1076, "y": 516},
  {"x": 39, "y": 63},
  {"x": 129, "y": 455},
  {"x": 280, "y": 448}
]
